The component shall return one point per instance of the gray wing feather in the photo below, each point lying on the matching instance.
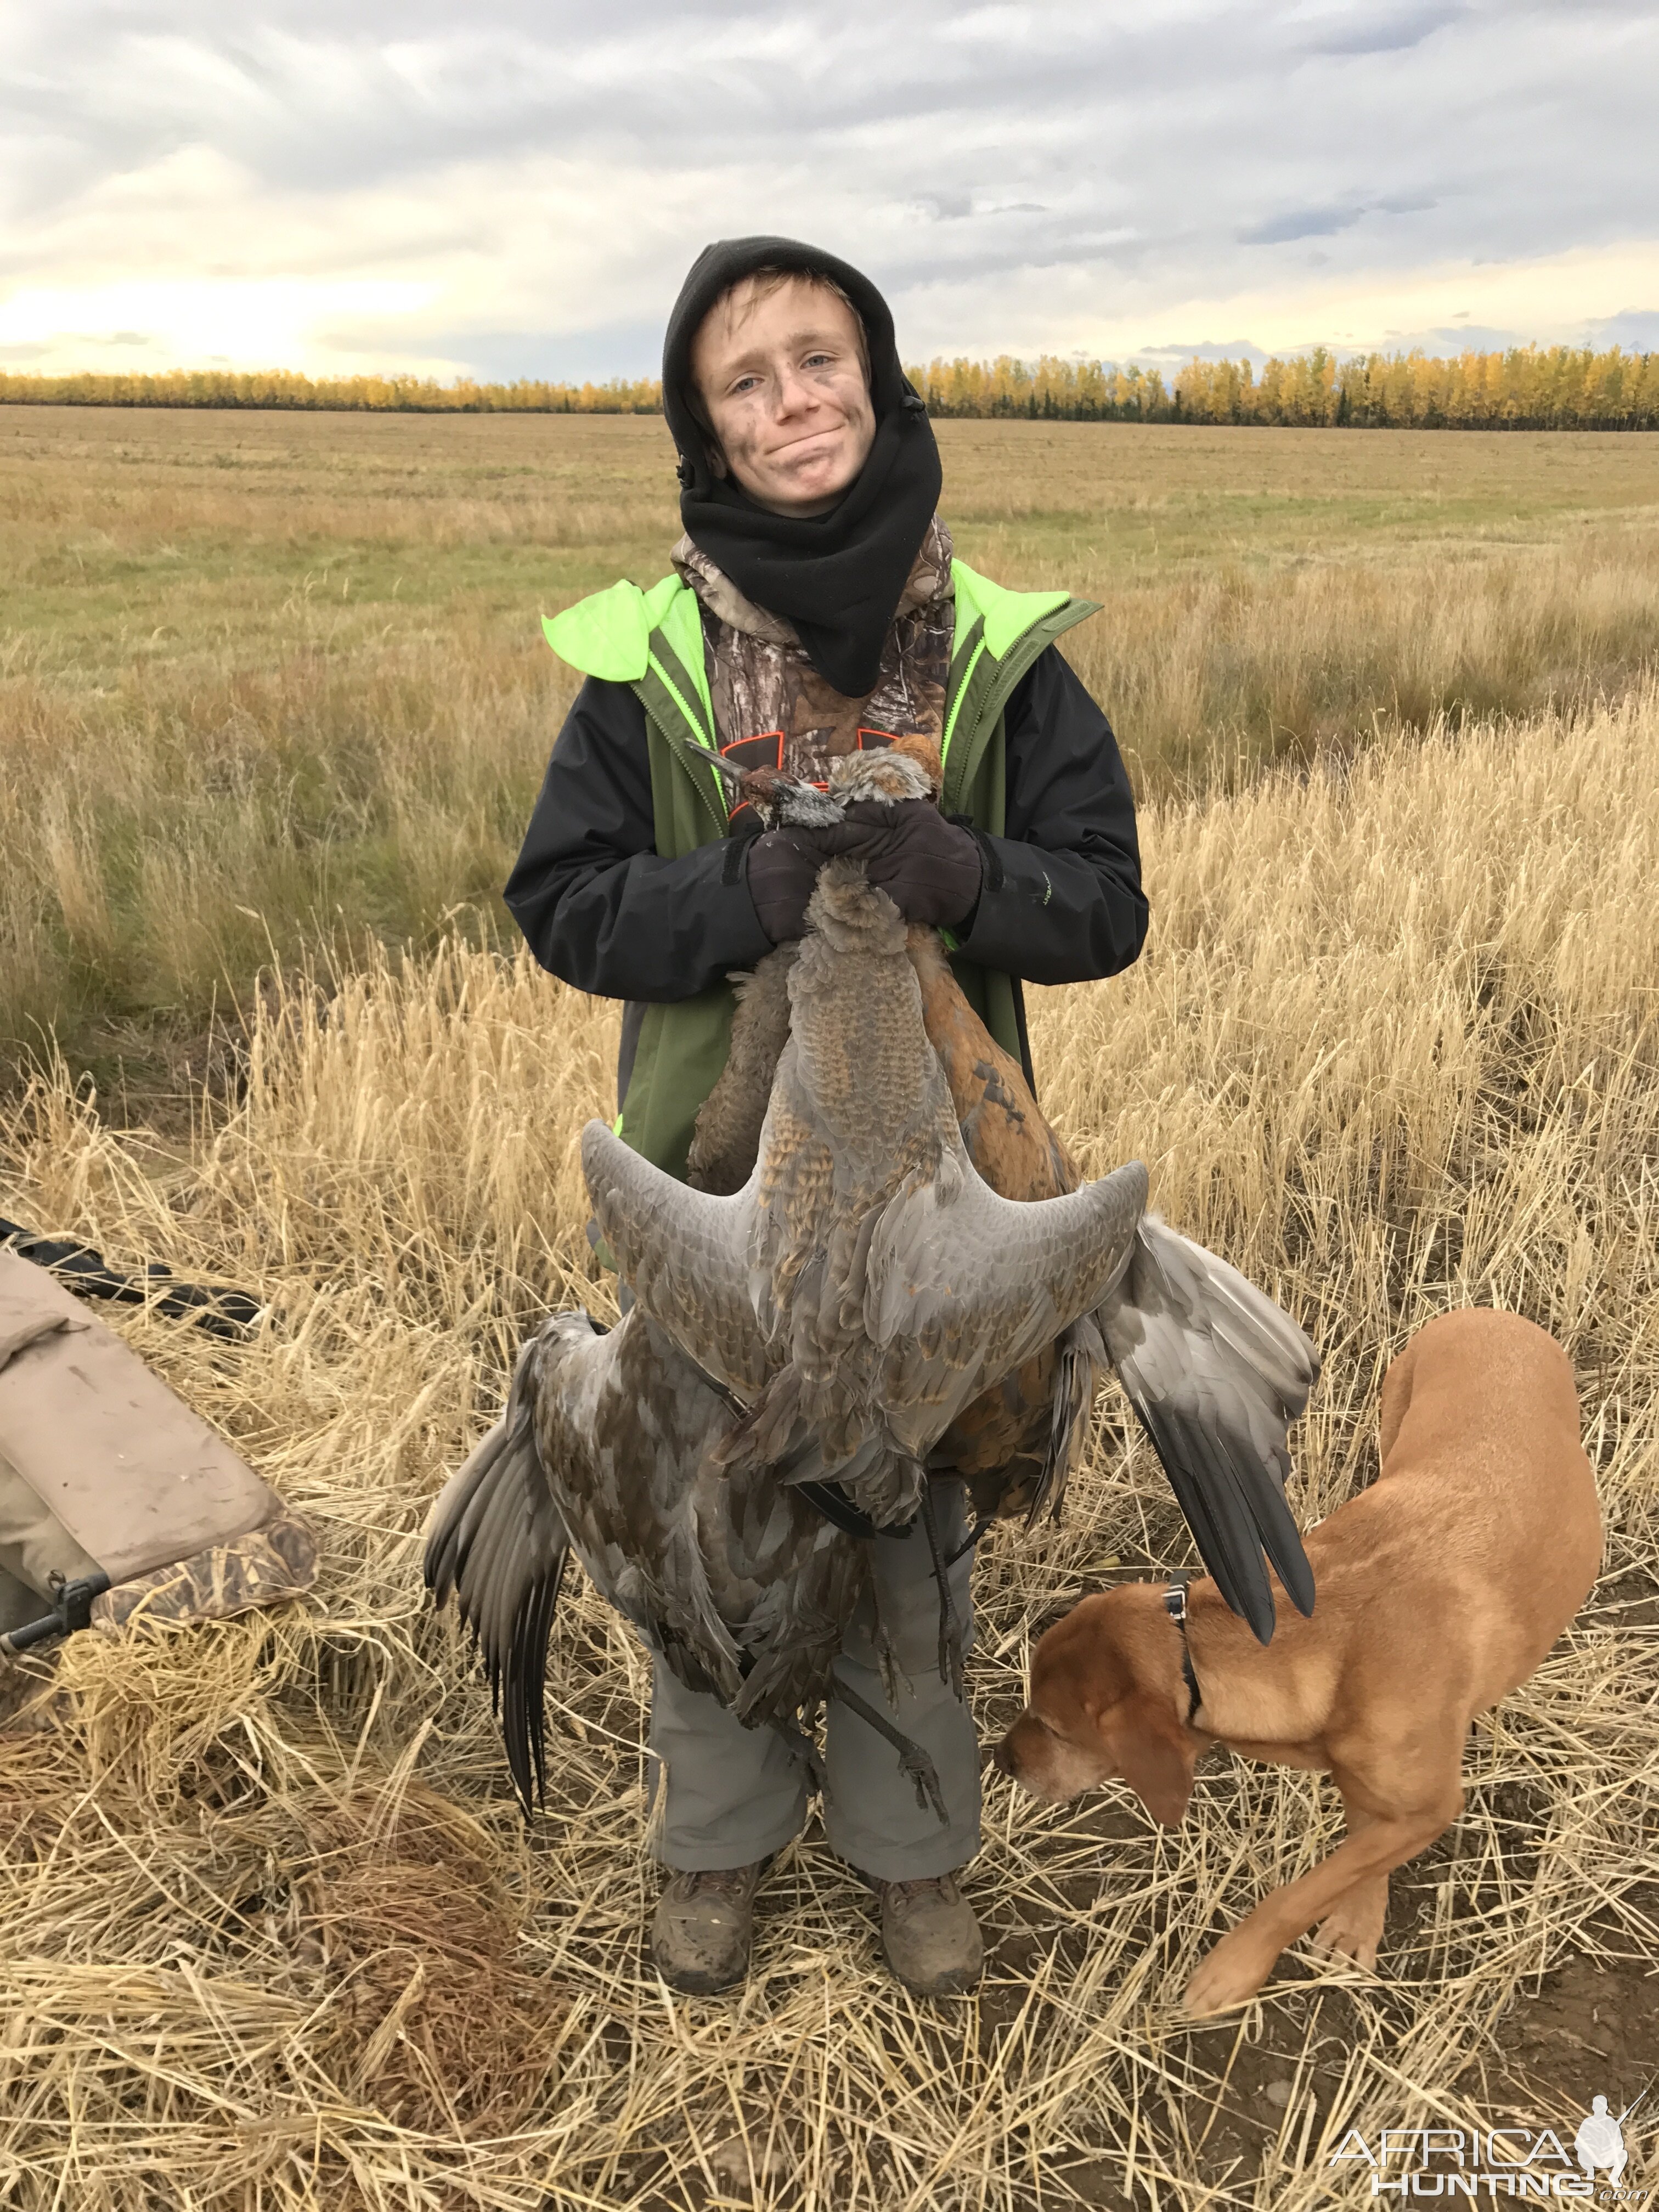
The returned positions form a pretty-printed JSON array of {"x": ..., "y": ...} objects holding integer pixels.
[
  {"x": 963, "y": 1286},
  {"x": 685, "y": 1256},
  {"x": 1217, "y": 1372},
  {"x": 1082, "y": 1356}
]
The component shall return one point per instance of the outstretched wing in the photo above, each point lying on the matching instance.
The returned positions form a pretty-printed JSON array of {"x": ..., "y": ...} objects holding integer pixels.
[
  {"x": 496, "y": 1539},
  {"x": 598, "y": 1451},
  {"x": 964, "y": 1285},
  {"x": 1217, "y": 1373},
  {"x": 684, "y": 1255}
]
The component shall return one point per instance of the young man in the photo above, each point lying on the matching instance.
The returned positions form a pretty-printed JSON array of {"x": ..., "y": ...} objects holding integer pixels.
[{"x": 814, "y": 607}]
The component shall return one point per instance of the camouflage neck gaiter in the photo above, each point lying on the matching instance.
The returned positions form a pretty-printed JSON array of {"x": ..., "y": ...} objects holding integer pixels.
[{"x": 772, "y": 707}]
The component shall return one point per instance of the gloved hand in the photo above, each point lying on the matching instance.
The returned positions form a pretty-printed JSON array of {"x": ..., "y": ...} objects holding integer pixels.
[
  {"x": 780, "y": 868},
  {"x": 932, "y": 869}
]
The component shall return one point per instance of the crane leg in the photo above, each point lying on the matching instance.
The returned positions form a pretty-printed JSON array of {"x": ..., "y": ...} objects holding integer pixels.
[
  {"x": 913, "y": 1759},
  {"x": 950, "y": 1628}
]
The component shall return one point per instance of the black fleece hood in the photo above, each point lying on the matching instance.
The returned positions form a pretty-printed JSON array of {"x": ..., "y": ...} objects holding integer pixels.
[{"x": 839, "y": 576}]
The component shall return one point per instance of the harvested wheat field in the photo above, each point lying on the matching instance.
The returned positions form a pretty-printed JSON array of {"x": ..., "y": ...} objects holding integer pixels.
[
  {"x": 274, "y": 1934},
  {"x": 270, "y": 680}
]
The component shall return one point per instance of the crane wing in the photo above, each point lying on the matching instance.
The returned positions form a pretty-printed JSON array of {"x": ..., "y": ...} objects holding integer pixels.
[
  {"x": 496, "y": 1540},
  {"x": 1217, "y": 1374},
  {"x": 598, "y": 1451},
  {"x": 963, "y": 1286},
  {"x": 685, "y": 1256}
]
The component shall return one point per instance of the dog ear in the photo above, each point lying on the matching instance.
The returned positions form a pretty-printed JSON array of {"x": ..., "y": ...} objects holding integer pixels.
[{"x": 1156, "y": 1760}]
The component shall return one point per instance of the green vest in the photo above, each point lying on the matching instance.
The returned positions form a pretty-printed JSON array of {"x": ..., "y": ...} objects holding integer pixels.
[{"x": 653, "y": 641}]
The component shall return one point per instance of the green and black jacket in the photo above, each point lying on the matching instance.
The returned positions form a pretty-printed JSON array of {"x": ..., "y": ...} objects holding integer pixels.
[{"x": 630, "y": 885}]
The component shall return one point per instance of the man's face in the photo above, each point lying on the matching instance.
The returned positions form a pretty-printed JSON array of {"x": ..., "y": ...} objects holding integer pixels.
[{"x": 783, "y": 385}]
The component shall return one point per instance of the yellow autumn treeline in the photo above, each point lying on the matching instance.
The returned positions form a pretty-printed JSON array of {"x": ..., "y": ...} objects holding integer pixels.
[
  {"x": 1526, "y": 388},
  {"x": 1529, "y": 387},
  {"x": 286, "y": 387}
]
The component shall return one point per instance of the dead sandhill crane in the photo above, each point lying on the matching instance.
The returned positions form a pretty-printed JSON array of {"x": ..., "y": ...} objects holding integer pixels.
[{"x": 864, "y": 1304}]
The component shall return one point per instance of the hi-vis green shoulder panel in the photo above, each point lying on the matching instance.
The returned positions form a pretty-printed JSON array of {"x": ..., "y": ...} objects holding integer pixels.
[
  {"x": 608, "y": 634},
  {"x": 1007, "y": 615}
]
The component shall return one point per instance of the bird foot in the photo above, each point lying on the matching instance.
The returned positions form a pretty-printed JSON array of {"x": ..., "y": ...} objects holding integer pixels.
[
  {"x": 913, "y": 1761},
  {"x": 923, "y": 1776}
]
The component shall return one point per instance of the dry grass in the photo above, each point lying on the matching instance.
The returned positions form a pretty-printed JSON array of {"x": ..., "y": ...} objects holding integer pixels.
[
  {"x": 275, "y": 1936},
  {"x": 270, "y": 680}
]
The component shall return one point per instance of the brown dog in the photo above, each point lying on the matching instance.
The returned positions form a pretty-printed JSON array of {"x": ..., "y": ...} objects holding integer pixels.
[{"x": 1440, "y": 1589}]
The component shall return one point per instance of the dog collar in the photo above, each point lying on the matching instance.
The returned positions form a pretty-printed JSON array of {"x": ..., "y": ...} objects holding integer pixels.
[{"x": 1174, "y": 1604}]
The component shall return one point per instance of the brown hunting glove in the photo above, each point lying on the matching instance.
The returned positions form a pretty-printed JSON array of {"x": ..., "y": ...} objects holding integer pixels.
[
  {"x": 780, "y": 868},
  {"x": 932, "y": 869}
]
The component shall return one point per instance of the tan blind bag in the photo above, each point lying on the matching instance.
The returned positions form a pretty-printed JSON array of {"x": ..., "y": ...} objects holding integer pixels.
[{"x": 100, "y": 1462}]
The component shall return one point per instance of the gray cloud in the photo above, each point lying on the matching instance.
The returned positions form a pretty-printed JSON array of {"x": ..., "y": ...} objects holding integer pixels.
[
  {"x": 1635, "y": 329},
  {"x": 1301, "y": 222},
  {"x": 1382, "y": 30},
  {"x": 995, "y": 165}
]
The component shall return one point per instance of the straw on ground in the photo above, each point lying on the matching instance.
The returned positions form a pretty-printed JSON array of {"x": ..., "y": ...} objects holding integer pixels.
[{"x": 274, "y": 1935}]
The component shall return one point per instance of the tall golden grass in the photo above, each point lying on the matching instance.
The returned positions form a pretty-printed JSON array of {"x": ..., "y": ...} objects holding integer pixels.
[
  {"x": 274, "y": 1935},
  {"x": 280, "y": 680}
]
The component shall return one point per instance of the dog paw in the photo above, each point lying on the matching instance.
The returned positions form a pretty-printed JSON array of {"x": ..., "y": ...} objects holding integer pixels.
[
  {"x": 1354, "y": 1929},
  {"x": 1234, "y": 1972}
]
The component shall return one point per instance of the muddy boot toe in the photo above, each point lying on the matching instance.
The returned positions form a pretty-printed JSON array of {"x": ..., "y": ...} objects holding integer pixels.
[
  {"x": 930, "y": 1936},
  {"x": 703, "y": 1926}
]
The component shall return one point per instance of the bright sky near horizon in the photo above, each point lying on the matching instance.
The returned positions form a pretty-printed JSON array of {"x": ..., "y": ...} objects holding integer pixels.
[{"x": 507, "y": 190}]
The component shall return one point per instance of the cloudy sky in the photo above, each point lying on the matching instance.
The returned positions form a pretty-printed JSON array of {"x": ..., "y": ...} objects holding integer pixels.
[{"x": 506, "y": 189}]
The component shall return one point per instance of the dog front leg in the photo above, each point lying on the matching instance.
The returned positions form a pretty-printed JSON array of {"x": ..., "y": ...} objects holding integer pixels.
[
  {"x": 1244, "y": 1958},
  {"x": 1353, "y": 1927}
]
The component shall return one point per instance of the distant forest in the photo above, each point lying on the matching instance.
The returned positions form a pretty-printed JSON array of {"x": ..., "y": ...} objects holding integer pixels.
[{"x": 1527, "y": 388}]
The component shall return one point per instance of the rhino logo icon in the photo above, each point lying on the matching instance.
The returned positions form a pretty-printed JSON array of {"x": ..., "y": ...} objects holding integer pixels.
[{"x": 1600, "y": 2141}]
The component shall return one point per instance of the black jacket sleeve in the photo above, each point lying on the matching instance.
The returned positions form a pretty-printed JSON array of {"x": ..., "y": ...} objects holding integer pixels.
[
  {"x": 1062, "y": 902},
  {"x": 598, "y": 906}
]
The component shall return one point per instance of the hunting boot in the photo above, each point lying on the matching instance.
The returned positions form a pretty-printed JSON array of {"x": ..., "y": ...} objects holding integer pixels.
[
  {"x": 704, "y": 1921},
  {"x": 930, "y": 1936}
]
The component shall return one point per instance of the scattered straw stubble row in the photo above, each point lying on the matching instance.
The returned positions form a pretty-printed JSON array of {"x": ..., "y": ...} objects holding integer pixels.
[{"x": 275, "y": 1937}]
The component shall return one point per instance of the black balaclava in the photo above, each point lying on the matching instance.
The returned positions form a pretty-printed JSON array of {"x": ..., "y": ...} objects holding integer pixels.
[{"x": 839, "y": 576}]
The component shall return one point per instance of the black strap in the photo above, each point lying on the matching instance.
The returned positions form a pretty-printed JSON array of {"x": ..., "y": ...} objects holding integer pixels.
[
  {"x": 827, "y": 1497},
  {"x": 1174, "y": 1604},
  {"x": 224, "y": 1313},
  {"x": 832, "y": 1501}
]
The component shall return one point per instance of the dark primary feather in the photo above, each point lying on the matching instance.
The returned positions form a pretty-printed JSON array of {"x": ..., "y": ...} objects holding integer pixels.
[
  {"x": 497, "y": 1542},
  {"x": 1217, "y": 1372}
]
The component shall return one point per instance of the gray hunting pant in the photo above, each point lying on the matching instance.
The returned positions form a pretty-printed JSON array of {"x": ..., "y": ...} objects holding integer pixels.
[{"x": 732, "y": 1795}]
